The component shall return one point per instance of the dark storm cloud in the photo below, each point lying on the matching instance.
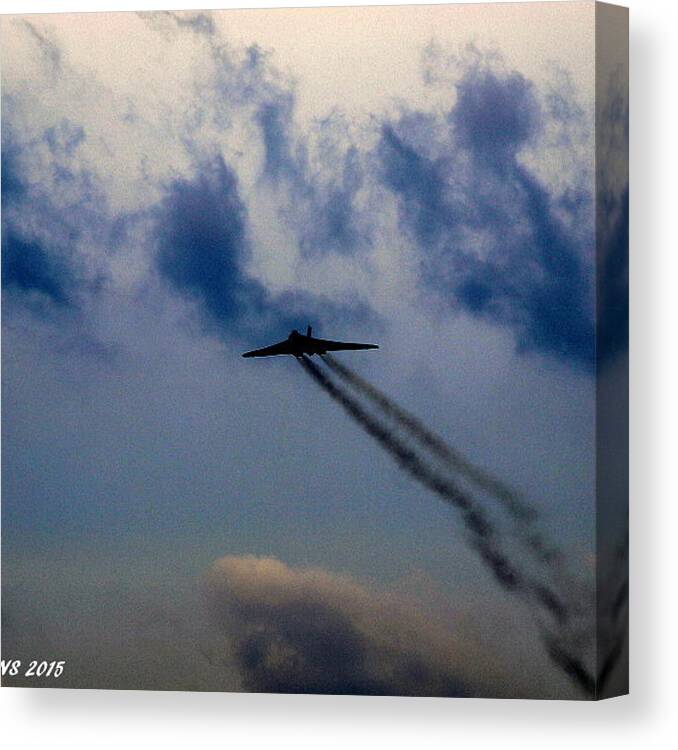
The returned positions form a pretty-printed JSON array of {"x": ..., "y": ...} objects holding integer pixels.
[
  {"x": 310, "y": 631},
  {"x": 494, "y": 239}
]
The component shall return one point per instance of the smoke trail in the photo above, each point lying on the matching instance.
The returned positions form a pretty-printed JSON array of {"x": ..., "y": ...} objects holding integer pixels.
[
  {"x": 520, "y": 511},
  {"x": 613, "y": 598},
  {"x": 481, "y": 478},
  {"x": 477, "y": 524},
  {"x": 482, "y": 532},
  {"x": 474, "y": 520},
  {"x": 572, "y": 667}
]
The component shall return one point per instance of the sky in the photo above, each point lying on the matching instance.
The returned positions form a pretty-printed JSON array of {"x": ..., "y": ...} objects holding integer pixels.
[{"x": 178, "y": 188}]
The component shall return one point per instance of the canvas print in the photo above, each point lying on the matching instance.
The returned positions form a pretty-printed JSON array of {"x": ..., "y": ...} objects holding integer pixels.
[{"x": 315, "y": 350}]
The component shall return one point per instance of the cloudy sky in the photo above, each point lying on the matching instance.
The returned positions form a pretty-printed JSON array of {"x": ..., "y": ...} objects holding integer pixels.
[{"x": 178, "y": 188}]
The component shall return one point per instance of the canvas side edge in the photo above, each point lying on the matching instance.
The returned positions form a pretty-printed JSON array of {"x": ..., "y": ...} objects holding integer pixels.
[{"x": 612, "y": 349}]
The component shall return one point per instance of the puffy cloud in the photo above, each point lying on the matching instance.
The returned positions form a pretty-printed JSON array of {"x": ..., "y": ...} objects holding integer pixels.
[
  {"x": 251, "y": 217},
  {"x": 202, "y": 242},
  {"x": 322, "y": 172},
  {"x": 306, "y": 630},
  {"x": 28, "y": 268},
  {"x": 495, "y": 115},
  {"x": 495, "y": 240},
  {"x": 42, "y": 260},
  {"x": 203, "y": 247},
  {"x": 177, "y": 192},
  {"x": 274, "y": 119}
]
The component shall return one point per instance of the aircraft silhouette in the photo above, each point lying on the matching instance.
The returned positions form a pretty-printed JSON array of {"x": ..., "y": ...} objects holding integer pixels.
[{"x": 297, "y": 345}]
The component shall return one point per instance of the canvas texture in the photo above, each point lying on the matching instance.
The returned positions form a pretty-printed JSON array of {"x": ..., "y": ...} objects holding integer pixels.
[{"x": 412, "y": 221}]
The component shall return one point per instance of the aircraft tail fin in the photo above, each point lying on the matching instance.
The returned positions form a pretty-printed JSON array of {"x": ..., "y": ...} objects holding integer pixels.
[{"x": 309, "y": 330}]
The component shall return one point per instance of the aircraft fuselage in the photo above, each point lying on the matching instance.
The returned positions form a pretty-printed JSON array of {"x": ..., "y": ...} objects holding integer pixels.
[{"x": 301, "y": 344}]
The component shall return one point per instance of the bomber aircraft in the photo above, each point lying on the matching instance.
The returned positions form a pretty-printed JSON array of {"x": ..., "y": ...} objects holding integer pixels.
[{"x": 297, "y": 344}]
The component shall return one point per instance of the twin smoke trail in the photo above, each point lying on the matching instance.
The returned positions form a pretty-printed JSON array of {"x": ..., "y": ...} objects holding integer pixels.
[
  {"x": 483, "y": 535},
  {"x": 523, "y": 514},
  {"x": 479, "y": 527},
  {"x": 509, "y": 498}
]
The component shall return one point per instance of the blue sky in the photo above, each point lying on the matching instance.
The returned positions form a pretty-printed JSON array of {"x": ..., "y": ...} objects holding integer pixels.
[{"x": 166, "y": 209}]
